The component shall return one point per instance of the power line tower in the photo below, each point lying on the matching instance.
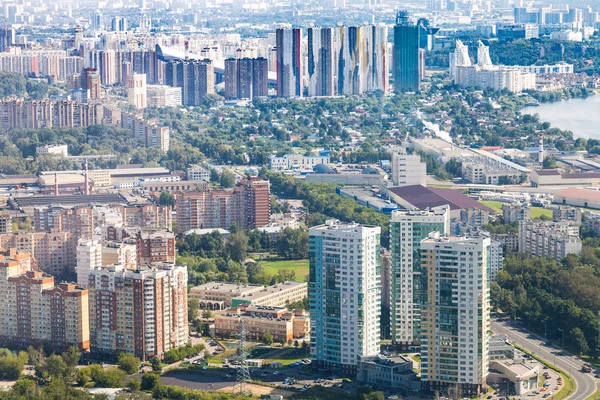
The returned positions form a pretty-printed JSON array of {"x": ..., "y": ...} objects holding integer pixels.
[{"x": 243, "y": 374}]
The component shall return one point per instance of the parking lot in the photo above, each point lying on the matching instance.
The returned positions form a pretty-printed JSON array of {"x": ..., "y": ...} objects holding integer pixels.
[{"x": 549, "y": 384}]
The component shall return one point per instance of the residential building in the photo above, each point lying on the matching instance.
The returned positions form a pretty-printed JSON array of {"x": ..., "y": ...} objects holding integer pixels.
[
  {"x": 591, "y": 222},
  {"x": 407, "y": 229},
  {"x": 78, "y": 220},
  {"x": 566, "y": 213},
  {"x": 123, "y": 253},
  {"x": 163, "y": 96},
  {"x": 289, "y": 62},
  {"x": 220, "y": 295},
  {"x": 59, "y": 149},
  {"x": 407, "y": 169},
  {"x": 278, "y": 295},
  {"x": 142, "y": 312},
  {"x": 391, "y": 372},
  {"x": 137, "y": 91},
  {"x": 496, "y": 258},
  {"x": 406, "y": 54},
  {"x": 246, "y": 78},
  {"x": 156, "y": 247},
  {"x": 54, "y": 252},
  {"x": 549, "y": 239},
  {"x": 515, "y": 212},
  {"x": 455, "y": 318},
  {"x": 89, "y": 258},
  {"x": 5, "y": 223},
  {"x": 475, "y": 217},
  {"x": 247, "y": 205},
  {"x": 282, "y": 324},
  {"x": 344, "y": 294},
  {"x": 196, "y": 78},
  {"x": 485, "y": 75},
  {"x": 321, "y": 62},
  {"x": 361, "y": 54},
  {"x": 196, "y": 172},
  {"x": 47, "y": 314},
  {"x": 296, "y": 161}
]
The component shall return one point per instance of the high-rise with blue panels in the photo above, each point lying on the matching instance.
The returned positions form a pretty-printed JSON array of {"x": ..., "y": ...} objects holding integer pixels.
[{"x": 344, "y": 293}]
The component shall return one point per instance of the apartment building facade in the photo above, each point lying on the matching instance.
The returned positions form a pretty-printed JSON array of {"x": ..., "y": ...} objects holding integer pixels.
[
  {"x": 34, "y": 311},
  {"x": 156, "y": 247},
  {"x": 455, "y": 319},
  {"x": 143, "y": 312},
  {"x": 407, "y": 229},
  {"x": 344, "y": 293},
  {"x": 549, "y": 239},
  {"x": 247, "y": 205}
]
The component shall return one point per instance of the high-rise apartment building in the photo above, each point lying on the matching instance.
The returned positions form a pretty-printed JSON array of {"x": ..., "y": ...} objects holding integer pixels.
[
  {"x": 320, "y": 62},
  {"x": 246, "y": 78},
  {"x": 136, "y": 90},
  {"x": 79, "y": 220},
  {"x": 549, "y": 239},
  {"x": 163, "y": 96},
  {"x": 455, "y": 317},
  {"x": 406, "y": 54},
  {"x": 289, "y": 62},
  {"x": 156, "y": 247},
  {"x": 143, "y": 312},
  {"x": 344, "y": 293},
  {"x": 118, "y": 24},
  {"x": 97, "y": 21},
  {"x": 93, "y": 255},
  {"x": 361, "y": 59},
  {"x": 247, "y": 205},
  {"x": 5, "y": 223},
  {"x": 54, "y": 252},
  {"x": 407, "y": 229},
  {"x": 196, "y": 78},
  {"x": 34, "y": 311},
  {"x": 89, "y": 258}
]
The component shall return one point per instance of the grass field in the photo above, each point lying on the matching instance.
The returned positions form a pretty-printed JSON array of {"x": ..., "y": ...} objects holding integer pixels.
[
  {"x": 300, "y": 267},
  {"x": 536, "y": 212}
]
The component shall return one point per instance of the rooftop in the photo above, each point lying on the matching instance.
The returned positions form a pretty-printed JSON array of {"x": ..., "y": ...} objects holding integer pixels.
[
  {"x": 256, "y": 295},
  {"x": 422, "y": 198},
  {"x": 33, "y": 201},
  {"x": 227, "y": 287},
  {"x": 581, "y": 194}
]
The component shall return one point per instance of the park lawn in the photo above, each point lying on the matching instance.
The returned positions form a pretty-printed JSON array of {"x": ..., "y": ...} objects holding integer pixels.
[
  {"x": 536, "y": 212},
  {"x": 273, "y": 265}
]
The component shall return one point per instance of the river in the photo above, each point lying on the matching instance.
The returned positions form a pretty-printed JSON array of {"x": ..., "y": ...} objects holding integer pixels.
[{"x": 580, "y": 116}]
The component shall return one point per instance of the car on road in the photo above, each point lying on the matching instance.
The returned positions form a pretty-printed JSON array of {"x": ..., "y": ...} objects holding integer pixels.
[{"x": 276, "y": 373}]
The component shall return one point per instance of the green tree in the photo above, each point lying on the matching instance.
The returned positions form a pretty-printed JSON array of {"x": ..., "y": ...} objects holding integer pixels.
[
  {"x": 156, "y": 364},
  {"x": 549, "y": 163},
  {"x": 227, "y": 179},
  {"x": 293, "y": 243},
  {"x": 11, "y": 365},
  {"x": 129, "y": 363},
  {"x": 237, "y": 246},
  {"x": 193, "y": 308},
  {"x": 134, "y": 384},
  {"x": 207, "y": 314},
  {"x": 150, "y": 381},
  {"x": 166, "y": 199},
  {"x": 111, "y": 378},
  {"x": 267, "y": 339}
]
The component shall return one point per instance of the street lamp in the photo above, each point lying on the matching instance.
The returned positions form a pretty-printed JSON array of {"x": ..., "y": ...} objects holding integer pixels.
[
  {"x": 545, "y": 331},
  {"x": 563, "y": 338}
]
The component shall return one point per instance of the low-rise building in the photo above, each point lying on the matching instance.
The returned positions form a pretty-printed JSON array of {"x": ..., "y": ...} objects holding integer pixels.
[
  {"x": 394, "y": 372},
  {"x": 549, "y": 239},
  {"x": 282, "y": 324},
  {"x": 475, "y": 216},
  {"x": 5, "y": 223},
  {"x": 218, "y": 295},
  {"x": 523, "y": 376},
  {"x": 58, "y": 149},
  {"x": 297, "y": 161},
  {"x": 278, "y": 295},
  {"x": 553, "y": 177},
  {"x": 197, "y": 172}
]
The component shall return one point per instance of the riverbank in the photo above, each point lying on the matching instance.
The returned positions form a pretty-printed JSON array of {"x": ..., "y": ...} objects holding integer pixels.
[{"x": 581, "y": 116}]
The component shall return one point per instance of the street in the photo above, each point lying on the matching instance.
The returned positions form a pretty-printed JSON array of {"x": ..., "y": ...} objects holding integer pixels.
[{"x": 586, "y": 384}]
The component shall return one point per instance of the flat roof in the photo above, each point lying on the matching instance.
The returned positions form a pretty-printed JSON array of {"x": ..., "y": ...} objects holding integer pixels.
[
  {"x": 270, "y": 290},
  {"x": 423, "y": 198},
  {"x": 581, "y": 194},
  {"x": 227, "y": 287},
  {"x": 32, "y": 201}
]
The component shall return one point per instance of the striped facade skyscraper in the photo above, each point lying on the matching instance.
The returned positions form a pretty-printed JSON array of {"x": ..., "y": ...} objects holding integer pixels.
[
  {"x": 289, "y": 62},
  {"x": 361, "y": 59},
  {"x": 320, "y": 62}
]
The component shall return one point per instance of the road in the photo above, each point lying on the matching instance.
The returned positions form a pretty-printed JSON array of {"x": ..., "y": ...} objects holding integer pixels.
[{"x": 586, "y": 384}]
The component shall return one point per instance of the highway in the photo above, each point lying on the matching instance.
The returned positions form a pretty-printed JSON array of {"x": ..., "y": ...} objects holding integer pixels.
[{"x": 586, "y": 383}]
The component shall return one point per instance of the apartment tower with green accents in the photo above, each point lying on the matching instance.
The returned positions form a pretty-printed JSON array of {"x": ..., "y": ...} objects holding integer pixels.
[
  {"x": 408, "y": 281},
  {"x": 344, "y": 293}
]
